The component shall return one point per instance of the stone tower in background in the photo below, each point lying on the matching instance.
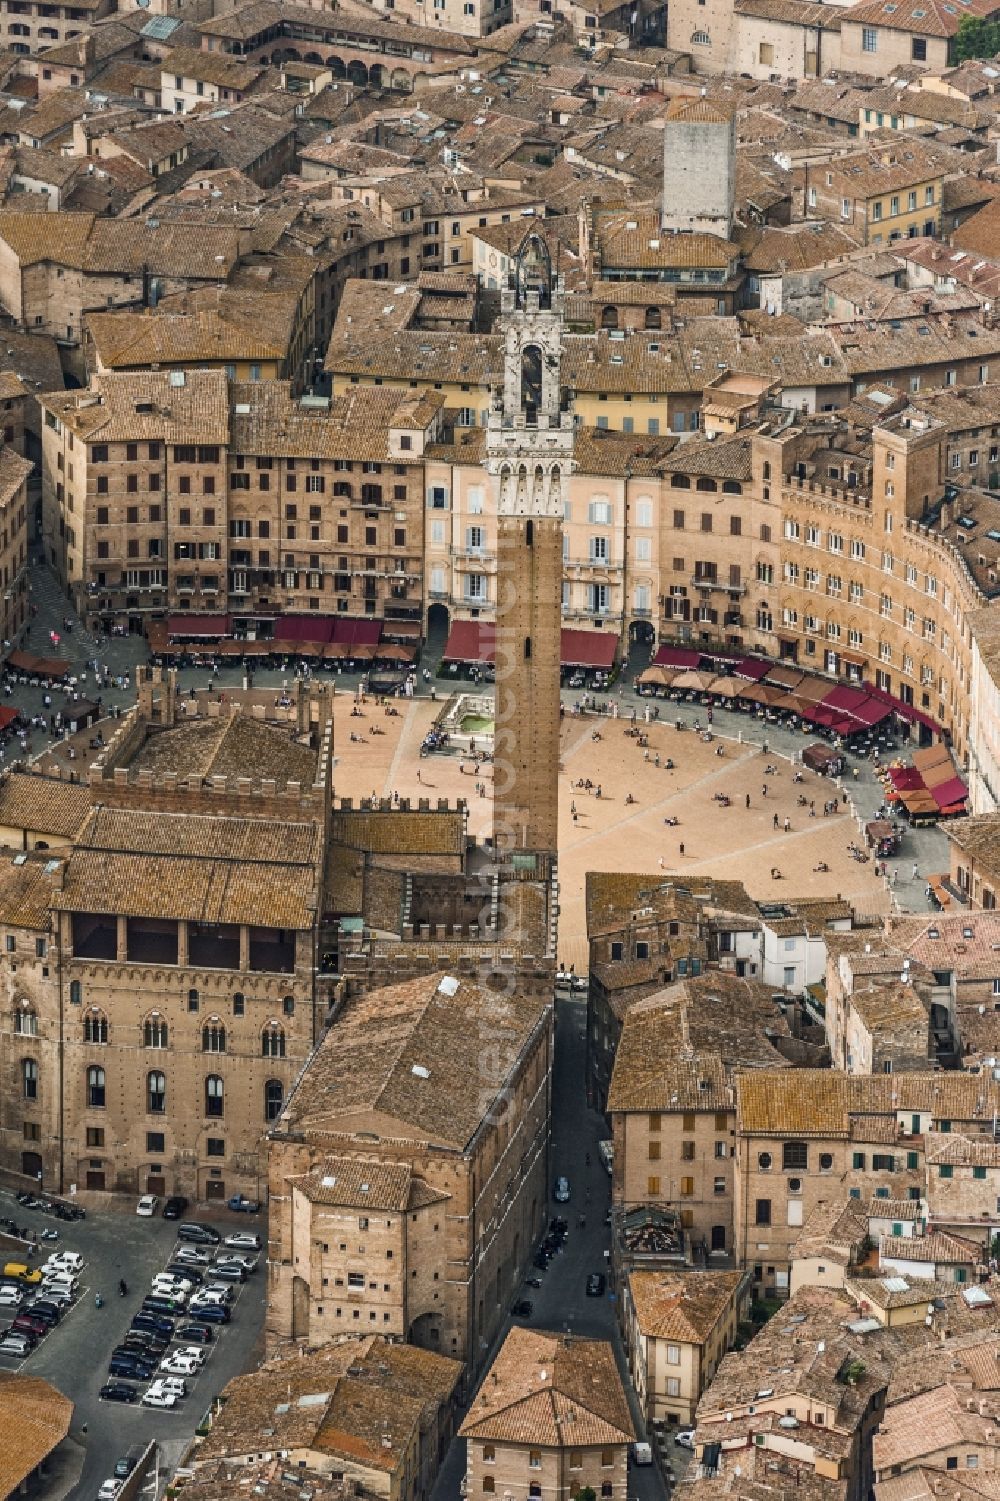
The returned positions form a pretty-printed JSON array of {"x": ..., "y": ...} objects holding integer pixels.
[
  {"x": 699, "y": 167},
  {"x": 530, "y": 455}
]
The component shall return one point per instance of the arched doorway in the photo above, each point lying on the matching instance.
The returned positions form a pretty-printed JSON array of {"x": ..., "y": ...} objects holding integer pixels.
[
  {"x": 376, "y": 76},
  {"x": 337, "y": 67},
  {"x": 357, "y": 73},
  {"x": 401, "y": 80}
]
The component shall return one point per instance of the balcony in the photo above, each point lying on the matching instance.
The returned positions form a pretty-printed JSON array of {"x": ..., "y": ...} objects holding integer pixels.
[{"x": 710, "y": 581}]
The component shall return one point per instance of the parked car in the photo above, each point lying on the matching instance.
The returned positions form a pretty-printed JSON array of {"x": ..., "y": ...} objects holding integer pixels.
[
  {"x": 11, "y": 1296},
  {"x": 177, "y": 1364},
  {"x": 595, "y": 1285},
  {"x": 642, "y": 1454},
  {"x": 147, "y": 1206},
  {"x": 198, "y": 1234},
  {"x": 243, "y": 1240},
  {"x": 241, "y": 1205},
  {"x": 109, "y": 1490},
  {"x": 175, "y": 1384},
  {"x": 153, "y": 1323},
  {"x": 118, "y": 1391},
  {"x": 192, "y": 1275},
  {"x": 170, "y": 1285},
  {"x": 198, "y": 1333},
  {"x": 174, "y": 1207},
  {"x": 25, "y": 1323},
  {"x": 45, "y": 1308},
  {"x": 160, "y": 1303},
  {"x": 191, "y": 1256},
  {"x": 229, "y": 1271},
  {"x": 245, "y": 1259},
  {"x": 128, "y": 1462},
  {"x": 130, "y": 1367},
  {"x": 561, "y": 1191},
  {"x": 210, "y": 1313},
  {"x": 19, "y": 1271},
  {"x": 157, "y": 1397},
  {"x": 153, "y": 1345},
  {"x": 193, "y": 1353},
  {"x": 215, "y": 1292},
  {"x": 685, "y": 1438},
  {"x": 522, "y": 1309},
  {"x": 64, "y": 1261},
  {"x": 13, "y": 1343}
]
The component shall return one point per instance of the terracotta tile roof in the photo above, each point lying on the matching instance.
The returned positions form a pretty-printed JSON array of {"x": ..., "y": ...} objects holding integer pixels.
[
  {"x": 793, "y": 13},
  {"x": 140, "y": 340},
  {"x": 940, "y": 18},
  {"x": 678, "y": 1047},
  {"x": 837, "y": 1230},
  {"x": 140, "y": 405},
  {"x": 201, "y": 891},
  {"x": 552, "y": 1391},
  {"x": 43, "y": 805},
  {"x": 412, "y": 1053},
  {"x": 25, "y": 892},
  {"x": 37, "y": 1418},
  {"x": 682, "y": 1306},
  {"x": 350, "y": 1184},
  {"x": 361, "y": 1399},
  {"x": 237, "y": 746},
  {"x": 250, "y": 841},
  {"x": 399, "y": 833},
  {"x": 936, "y": 1247},
  {"x": 887, "y": 1007},
  {"x": 818, "y": 1102}
]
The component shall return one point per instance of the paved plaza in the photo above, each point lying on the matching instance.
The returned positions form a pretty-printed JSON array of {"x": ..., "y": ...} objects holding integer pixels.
[{"x": 379, "y": 754}]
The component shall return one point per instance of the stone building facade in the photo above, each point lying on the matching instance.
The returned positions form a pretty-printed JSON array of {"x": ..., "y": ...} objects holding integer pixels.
[
  {"x": 409, "y": 1170},
  {"x": 164, "y": 987}
]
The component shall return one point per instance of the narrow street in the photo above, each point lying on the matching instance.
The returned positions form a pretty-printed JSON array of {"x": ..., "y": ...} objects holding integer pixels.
[{"x": 561, "y": 1303}]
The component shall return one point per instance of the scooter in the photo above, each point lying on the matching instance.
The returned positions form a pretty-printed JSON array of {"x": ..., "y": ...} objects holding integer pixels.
[{"x": 98, "y": 1301}]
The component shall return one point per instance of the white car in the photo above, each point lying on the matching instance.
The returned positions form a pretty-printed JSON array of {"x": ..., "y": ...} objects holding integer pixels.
[
  {"x": 109, "y": 1490},
  {"x": 244, "y": 1262},
  {"x": 194, "y": 1353},
  {"x": 157, "y": 1397},
  {"x": 192, "y": 1254},
  {"x": 147, "y": 1206},
  {"x": 178, "y": 1364},
  {"x": 58, "y": 1292},
  {"x": 64, "y": 1261},
  {"x": 243, "y": 1240},
  {"x": 11, "y": 1297},
  {"x": 170, "y": 1280},
  {"x": 216, "y": 1292},
  {"x": 173, "y": 1384},
  {"x": 685, "y": 1438}
]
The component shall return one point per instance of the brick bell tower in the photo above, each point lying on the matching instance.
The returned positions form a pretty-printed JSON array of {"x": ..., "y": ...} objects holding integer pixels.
[{"x": 529, "y": 454}]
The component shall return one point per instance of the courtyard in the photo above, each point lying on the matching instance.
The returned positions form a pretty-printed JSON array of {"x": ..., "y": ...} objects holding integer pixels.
[{"x": 611, "y": 833}]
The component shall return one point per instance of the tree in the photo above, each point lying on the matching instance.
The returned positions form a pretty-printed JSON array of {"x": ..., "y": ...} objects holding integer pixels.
[{"x": 976, "y": 38}]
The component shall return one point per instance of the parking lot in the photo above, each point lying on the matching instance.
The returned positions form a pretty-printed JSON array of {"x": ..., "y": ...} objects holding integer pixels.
[{"x": 118, "y": 1245}]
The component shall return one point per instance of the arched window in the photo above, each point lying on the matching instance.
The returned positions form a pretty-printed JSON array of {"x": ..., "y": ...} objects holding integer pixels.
[
  {"x": 213, "y": 1095},
  {"x": 96, "y": 1088},
  {"x": 531, "y": 382},
  {"x": 653, "y": 319},
  {"x": 706, "y": 484},
  {"x": 272, "y": 1041},
  {"x": 700, "y": 39},
  {"x": 75, "y": 992},
  {"x": 680, "y": 482},
  {"x": 154, "y": 1031},
  {"x": 156, "y": 1092},
  {"x": 732, "y": 487},
  {"x": 213, "y": 1036},
  {"x": 95, "y": 1026},
  {"x": 29, "y": 1078},
  {"x": 274, "y": 1098},
  {"x": 25, "y": 1021}
]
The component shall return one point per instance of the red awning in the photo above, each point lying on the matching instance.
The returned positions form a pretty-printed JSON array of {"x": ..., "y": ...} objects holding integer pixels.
[
  {"x": 595, "y": 649},
  {"x": 871, "y": 712},
  {"x": 952, "y": 791},
  {"x": 304, "y": 628},
  {"x": 845, "y": 699},
  {"x": 676, "y": 656},
  {"x": 752, "y": 668},
  {"x": 7, "y": 716},
  {"x": 356, "y": 630},
  {"x": 905, "y": 778},
  {"x": 204, "y": 627},
  {"x": 470, "y": 641}
]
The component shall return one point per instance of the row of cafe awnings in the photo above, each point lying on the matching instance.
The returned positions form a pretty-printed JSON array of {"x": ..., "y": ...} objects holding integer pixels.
[
  {"x": 845, "y": 708},
  {"x": 330, "y": 638},
  {"x": 473, "y": 643},
  {"x": 929, "y": 787}
]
